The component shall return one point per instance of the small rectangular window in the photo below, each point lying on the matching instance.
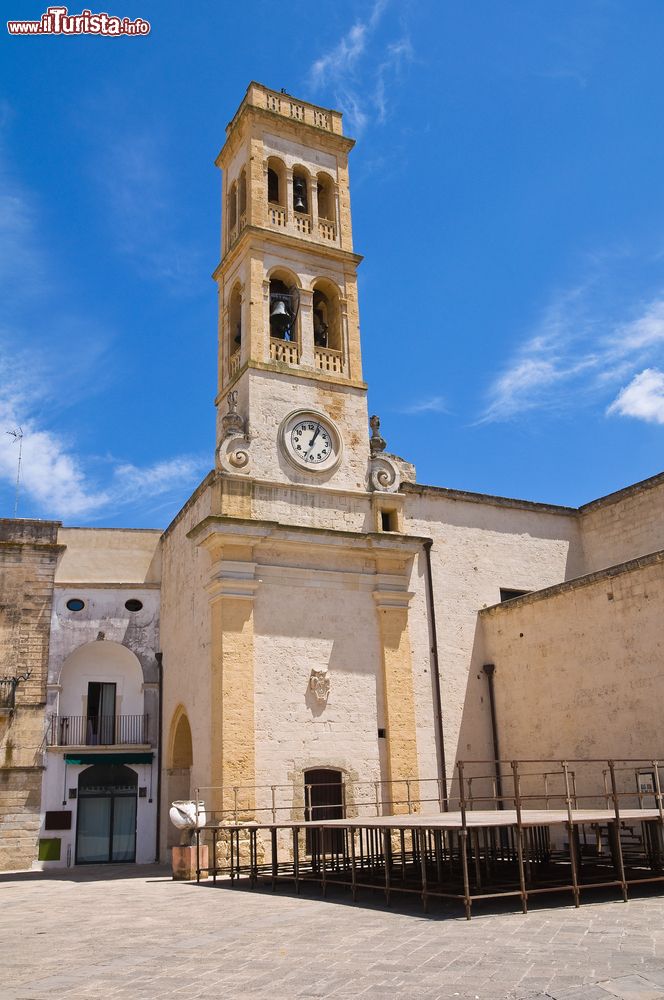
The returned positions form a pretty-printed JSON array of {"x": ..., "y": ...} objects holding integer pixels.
[
  {"x": 509, "y": 595},
  {"x": 388, "y": 520}
]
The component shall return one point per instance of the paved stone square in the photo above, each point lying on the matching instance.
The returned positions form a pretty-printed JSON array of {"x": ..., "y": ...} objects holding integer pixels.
[{"x": 134, "y": 933}]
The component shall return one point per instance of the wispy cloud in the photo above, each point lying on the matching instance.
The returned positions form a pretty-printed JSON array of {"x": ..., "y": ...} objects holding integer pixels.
[
  {"x": 433, "y": 404},
  {"x": 643, "y": 398},
  {"x": 357, "y": 72},
  {"x": 56, "y": 479},
  {"x": 142, "y": 209},
  {"x": 35, "y": 386},
  {"x": 576, "y": 353}
]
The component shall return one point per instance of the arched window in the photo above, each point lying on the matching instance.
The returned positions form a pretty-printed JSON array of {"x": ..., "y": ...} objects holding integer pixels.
[
  {"x": 284, "y": 303},
  {"x": 235, "y": 320},
  {"x": 232, "y": 209},
  {"x": 325, "y": 192},
  {"x": 300, "y": 191},
  {"x": 327, "y": 316},
  {"x": 242, "y": 193},
  {"x": 276, "y": 182}
]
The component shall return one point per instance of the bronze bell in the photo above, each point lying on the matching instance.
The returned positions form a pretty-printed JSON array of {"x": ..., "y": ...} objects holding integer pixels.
[
  {"x": 299, "y": 203},
  {"x": 280, "y": 318}
]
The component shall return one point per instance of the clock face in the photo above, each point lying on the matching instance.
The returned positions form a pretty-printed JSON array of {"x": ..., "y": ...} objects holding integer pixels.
[{"x": 310, "y": 441}]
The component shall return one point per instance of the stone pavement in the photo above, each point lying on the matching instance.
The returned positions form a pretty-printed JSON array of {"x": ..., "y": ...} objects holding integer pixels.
[{"x": 134, "y": 933}]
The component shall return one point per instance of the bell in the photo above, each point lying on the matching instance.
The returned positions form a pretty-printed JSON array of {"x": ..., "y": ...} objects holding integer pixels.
[
  {"x": 280, "y": 318},
  {"x": 299, "y": 203}
]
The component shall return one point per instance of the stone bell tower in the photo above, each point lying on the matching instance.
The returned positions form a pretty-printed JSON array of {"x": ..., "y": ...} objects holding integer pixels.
[{"x": 291, "y": 403}]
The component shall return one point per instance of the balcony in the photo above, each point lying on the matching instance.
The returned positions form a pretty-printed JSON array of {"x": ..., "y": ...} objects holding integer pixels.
[{"x": 98, "y": 730}]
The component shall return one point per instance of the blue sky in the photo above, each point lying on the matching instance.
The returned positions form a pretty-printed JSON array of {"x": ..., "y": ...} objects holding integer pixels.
[{"x": 508, "y": 196}]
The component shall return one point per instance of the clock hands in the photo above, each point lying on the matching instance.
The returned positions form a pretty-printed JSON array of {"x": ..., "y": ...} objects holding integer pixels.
[{"x": 311, "y": 443}]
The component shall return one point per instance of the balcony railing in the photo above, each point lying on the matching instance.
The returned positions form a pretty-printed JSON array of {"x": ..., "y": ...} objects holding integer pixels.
[
  {"x": 276, "y": 215},
  {"x": 328, "y": 360},
  {"x": 234, "y": 364},
  {"x": 303, "y": 223},
  {"x": 284, "y": 350},
  {"x": 97, "y": 730},
  {"x": 327, "y": 230},
  {"x": 7, "y": 693}
]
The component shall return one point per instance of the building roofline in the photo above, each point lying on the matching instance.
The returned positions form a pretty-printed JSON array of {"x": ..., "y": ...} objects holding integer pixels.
[
  {"x": 644, "y": 484},
  {"x": 496, "y": 501},
  {"x": 578, "y": 582}
]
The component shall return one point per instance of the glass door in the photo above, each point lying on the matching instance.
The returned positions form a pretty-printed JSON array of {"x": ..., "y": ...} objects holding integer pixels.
[
  {"x": 101, "y": 714},
  {"x": 106, "y": 823}
]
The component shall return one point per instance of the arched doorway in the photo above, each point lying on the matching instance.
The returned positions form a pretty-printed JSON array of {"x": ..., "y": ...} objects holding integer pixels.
[
  {"x": 106, "y": 824},
  {"x": 181, "y": 759},
  {"x": 323, "y": 799}
]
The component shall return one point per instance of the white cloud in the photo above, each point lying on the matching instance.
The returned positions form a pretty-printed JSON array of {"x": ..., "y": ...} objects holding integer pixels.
[
  {"x": 575, "y": 354},
  {"x": 35, "y": 386},
  {"x": 434, "y": 404},
  {"x": 643, "y": 398},
  {"x": 357, "y": 74}
]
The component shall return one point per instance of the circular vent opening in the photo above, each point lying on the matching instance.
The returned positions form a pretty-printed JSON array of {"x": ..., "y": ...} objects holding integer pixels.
[
  {"x": 75, "y": 604},
  {"x": 133, "y": 605}
]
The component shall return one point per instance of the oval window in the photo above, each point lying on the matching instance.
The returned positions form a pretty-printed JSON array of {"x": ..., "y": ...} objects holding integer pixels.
[
  {"x": 133, "y": 605},
  {"x": 75, "y": 604}
]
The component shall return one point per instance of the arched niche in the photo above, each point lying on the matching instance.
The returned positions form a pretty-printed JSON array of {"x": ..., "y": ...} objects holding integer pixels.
[
  {"x": 301, "y": 190},
  {"x": 327, "y": 315},
  {"x": 276, "y": 181},
  {"x": 235, "y": 320},
  {"x": 283, "y": 305},
  {"x": 101, "y": 662},
  {"x": 326, "y": 198},
  {"x": 179, "y": 762}
]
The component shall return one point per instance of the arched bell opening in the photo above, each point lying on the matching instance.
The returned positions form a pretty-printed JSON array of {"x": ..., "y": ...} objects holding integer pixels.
[
  {"x": 231, "y": 207},
  {"x": 327, "y": 316},
  {"x": 284, "y": 308},
  {"x": 276, "y": 182},
  {"x": 326, "y": 200},
  {"x": 301, "y": 191},
  {"x": 242, "y": 194},
  {"x": 235, "y": 321}
]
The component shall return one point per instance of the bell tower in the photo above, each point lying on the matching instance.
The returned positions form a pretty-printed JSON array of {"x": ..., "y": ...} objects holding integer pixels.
[{"x": 289, "y": 370}]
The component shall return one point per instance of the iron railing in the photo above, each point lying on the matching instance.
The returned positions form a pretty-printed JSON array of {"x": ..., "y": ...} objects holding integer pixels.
[
  {"x": 8, "y": 687},
  {"x": 97, "y": 730}
]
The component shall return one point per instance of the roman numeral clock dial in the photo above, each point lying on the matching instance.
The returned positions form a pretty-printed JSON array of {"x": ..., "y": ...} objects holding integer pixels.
[{"x": 310, "y": 441}]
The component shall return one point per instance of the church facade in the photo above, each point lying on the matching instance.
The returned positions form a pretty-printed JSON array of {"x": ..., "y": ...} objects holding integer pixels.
[{"x": 314, "y": 618}]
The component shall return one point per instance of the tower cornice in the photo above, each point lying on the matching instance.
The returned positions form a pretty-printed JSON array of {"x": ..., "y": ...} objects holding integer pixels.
[{"x": 284, "y": 240}]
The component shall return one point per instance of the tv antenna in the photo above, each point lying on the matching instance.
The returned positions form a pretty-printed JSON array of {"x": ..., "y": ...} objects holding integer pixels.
[{"x": 17, "y": 434}]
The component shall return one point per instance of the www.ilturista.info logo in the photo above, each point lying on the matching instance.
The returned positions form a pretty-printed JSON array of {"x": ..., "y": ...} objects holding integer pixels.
[{"x": 58, "y": 21}]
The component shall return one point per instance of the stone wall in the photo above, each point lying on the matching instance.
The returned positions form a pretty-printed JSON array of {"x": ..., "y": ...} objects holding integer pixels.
[
  {"x": 28, "y": 555},
  {"x": 623, "y": 525},
  {"x": 579, "y": 669}
]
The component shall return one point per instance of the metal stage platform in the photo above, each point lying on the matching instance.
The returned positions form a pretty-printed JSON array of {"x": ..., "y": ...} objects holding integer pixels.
[{"x": 464, "y": 855}]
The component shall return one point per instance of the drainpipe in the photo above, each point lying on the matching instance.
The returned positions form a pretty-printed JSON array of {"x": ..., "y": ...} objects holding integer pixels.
[
  {"x": 160, "y": 667},
  {"x": 438, "y": 703},
  {"x": 489, "y": 669}
]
